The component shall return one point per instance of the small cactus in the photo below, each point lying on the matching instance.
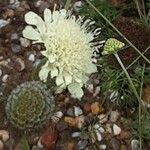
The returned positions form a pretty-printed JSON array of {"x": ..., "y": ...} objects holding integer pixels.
[{"x": 30, "y": 105}]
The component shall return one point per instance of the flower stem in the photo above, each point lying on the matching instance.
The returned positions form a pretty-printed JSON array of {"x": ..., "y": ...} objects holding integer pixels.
[
  {"x": 128, "y": 77},
  {"x": 136, "y": 49}
]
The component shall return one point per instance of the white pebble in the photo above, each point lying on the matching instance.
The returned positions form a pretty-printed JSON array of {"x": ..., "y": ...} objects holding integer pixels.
[
  {"x": 5, "y": 78},
  {"x": 114, "y": 115},
  {"x": 32, "y": 57},
  {"x": 1, "y": 72},
  {"x": 99, "y": 136},
  {"x": 101, "y": 130},
  {"x": 77, "y": 6},
  {"x": 77, "y": 111},
  {"x": 57, "y": 116},
  {"x": 97, "y": 90},
  {"x": 90, "y": 88},
  {"x": 39, "y": 144},
  {"x": 4, "y": 135},
  {"x": 103, "y": 147},
  {"x": 103, "y": 118},
  {"x": 76, "y": 134},
  {"x": 134, "y": 144},
  {"x": 3, "y": 23},
  {"x": 116, "y": 129}
]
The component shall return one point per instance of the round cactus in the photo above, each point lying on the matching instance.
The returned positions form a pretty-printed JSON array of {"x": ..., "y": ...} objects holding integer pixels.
[{"x": 30, "y": 105}]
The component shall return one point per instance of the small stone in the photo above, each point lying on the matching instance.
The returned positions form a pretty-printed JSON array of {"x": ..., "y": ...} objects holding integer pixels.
[
  {"x": 77, "y": 111},
  {"x": 21, "y": 64},
  {"x": 103, "y": 118},
  {"x": 99, "y": 136},
  {"x": 5, "y": 78},
  {"x": 101, "y": 129},
  {"x": 116, "y": 129},
  {"x": 97, "y": 91},
  {"x": 1, "y": 72},
  {"x": 134, "y": 144},
  {"x": 61, "y": 126},
  {"x": 31, "y": 57},
  {"x": 96, "y": 108},
  {"x": 1, "y": 145},
  {"x": 15, "y": 48},
  {"x": 114, "y": 115},
  {"x": 87, "y": 107},
  {"x": 14, "y": 36},
  {"x": 4, "y": 135},
  {"x": 24, "y": 42},
  {"x": 80, "y": 121},
  {"x": 102, "y": 147},
  {"x": 81, "y": 145},
  {"x": 70, "y": 112},
  {"x": 108, "y": 128},
  {"x": 76, "y": 134},
  {"x": 90, "y": 88},
  {"x": 14, "y": 3},
  {"x": 57, "y": 116},
  {"x": 9, "y": 13},
  {"x": 77, "y": 5},
  {"x": 3, "y": 23}
]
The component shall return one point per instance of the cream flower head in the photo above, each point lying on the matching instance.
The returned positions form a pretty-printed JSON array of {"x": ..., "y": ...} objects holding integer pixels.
[{"x": 69, "y": 47}]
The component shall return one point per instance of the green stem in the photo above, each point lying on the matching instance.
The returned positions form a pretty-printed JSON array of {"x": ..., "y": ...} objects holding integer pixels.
[
  {"x": 128, "y": 77},
  {"x": 138, "y": 51},
  {"x": 67, "y": 5}
]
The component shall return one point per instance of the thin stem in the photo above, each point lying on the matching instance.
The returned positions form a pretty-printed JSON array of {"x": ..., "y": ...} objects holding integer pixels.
[
  {"x": 128, "y": 77},
  {"x": 136, "y": 49},
  {"x": 140, "y": 108}
]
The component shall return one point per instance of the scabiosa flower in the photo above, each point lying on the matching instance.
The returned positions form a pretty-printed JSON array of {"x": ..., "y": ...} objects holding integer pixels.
[{"x": 69, "y": 45}]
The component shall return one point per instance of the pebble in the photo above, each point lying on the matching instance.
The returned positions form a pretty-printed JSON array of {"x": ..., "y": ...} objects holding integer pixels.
[
  {"x": 90, "y": 88},
  {"x": 99, "y": 136},
  {"x": 14, "y": 3},
  {"x": 76, "y": 134},
  {"x": 114, "y": 115},
  {"x": 96, "y": 108},
  {"x": 77, "y": 111},
  {"x": 70, "y": 112},
  {"x": 1, "y": 72},
  {"x": 24, "y": 42},
  {"x": 108, "y": 128},
  {"x": 14, "y": 36},
  {"x": 3, "y": 23},
  {"x": 97, "y": 91},
  {"x": 102, "y": 147},
  {"x": 57, "y": 116},
  {"x": 77, "y": 5},
  {"x": 113, "y": 96},
  {"x": 4, "y": 135},
  {"x": 31, "y": 57},
  {"x": 1, "y": 145},
  {"x": 116, "y": 129},
  {"x": 103, "y": 118},
  {"x": 21, "y": 64},
  {"x": 81, "y": 145},
  {"x": 15, "y": 48},
  {"x": 5, "y": 78},
  {"x": 134, "y": 144}
]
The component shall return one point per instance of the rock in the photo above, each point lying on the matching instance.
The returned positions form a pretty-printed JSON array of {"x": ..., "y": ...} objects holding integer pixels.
[
  {"x": 77, "y": 111},
  {"x": 57, "y": 116},
  {"x": 3, "y": 23},
  {"x": 49, "y": 138},
  {"x": 90, "y": 88},
  {"x": 70, "y": 112},
  {"x": 134, "y": 144},
  {"x": 108, "y": 128},
  {"x": 24, "y": 42},
  {"x": 97, "y": 91},
  {"x": 99, "y": 136},
  {"x": 15, "y": 48},
  {"x": 42, "y": 5},
  {"x": 1, "y": 72},
  {"x": 116, "y": 129},
  {"x": 102, "y": 147},
  {"x": 103, "y": 118},
  {"x": 9, "y": 13},
  {"x": 31, "y": 57},
  {"x": 61, "y": 126},
  {"x": 114, "y": 115},
  {"x": 21, "y": 64},
  {"x": 81, "y": 145},
  {"x": 5, "y": 78},
  {"x": 115, "y": 144},
  {"x": 87, "y": 107},
  {"x": 76, "y": 134},
  {"x": 96, "y": 108},
  {"x": 1, "y": 145},
  {"x": 77, "y": 5},
  {"x": 14, "y": 36},
  {"x": 4, "y": 135},
  {"x": 14, "y": 3},
  {"x": 80, "y": 121}
]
